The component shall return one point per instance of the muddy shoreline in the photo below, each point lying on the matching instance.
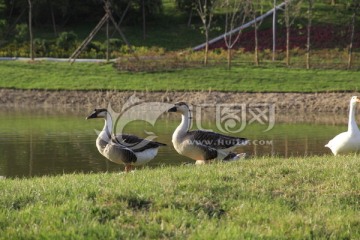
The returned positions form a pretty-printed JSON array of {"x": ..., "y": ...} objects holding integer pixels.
[{"x": 284, "y": 102}]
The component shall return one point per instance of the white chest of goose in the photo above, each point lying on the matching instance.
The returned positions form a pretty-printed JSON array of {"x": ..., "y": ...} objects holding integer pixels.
[
  {"x": 124, "y": 149},
  {"x": 203, "y": 146},
  {"x": 349, "y": 141}
]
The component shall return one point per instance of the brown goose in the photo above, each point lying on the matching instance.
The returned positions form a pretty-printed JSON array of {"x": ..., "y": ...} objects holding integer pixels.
[
  {"x": 203, "y": 146},
  {"x": 124, "y": 149}
]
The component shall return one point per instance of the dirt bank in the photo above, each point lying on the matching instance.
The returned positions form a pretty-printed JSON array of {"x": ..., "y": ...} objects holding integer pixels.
[{"x": 285, "y": 102}]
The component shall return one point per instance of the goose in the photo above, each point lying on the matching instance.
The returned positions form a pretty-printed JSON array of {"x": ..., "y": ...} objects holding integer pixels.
[
  {"x": 349, "y": 141},
  {"x": 124, "y": 149},
  {"x": 200, "y": 145}
]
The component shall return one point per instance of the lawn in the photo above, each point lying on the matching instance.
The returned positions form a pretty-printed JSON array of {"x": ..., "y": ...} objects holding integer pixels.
[
  {"x": 295, "y": 198},
  {"x": 95, "y": 76}
]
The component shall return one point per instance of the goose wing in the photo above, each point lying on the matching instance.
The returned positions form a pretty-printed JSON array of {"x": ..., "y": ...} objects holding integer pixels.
[
  {"x": 208, "y": 152},
  {"x": 135, "y": 143},
  {"x": 119, "y": 153},
  {"x": 215, "y": 140}
]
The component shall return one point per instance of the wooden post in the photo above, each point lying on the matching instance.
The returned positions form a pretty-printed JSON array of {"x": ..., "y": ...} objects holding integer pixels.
[{"x": 92, "y": 34}]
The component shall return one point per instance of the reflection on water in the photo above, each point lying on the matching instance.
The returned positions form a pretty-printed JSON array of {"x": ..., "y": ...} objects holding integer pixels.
[{"x": 47, "y": 142}]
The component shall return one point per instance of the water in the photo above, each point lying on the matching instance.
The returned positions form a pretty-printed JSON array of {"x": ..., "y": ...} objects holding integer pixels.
[{"x": 40, "y": 142}]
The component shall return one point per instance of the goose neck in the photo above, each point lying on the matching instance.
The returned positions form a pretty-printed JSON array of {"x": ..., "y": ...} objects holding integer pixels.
[
  {"x": 105, "y": 134},
  {"x": 352, "y": 126},
  {"x": 185, "y": 123}
]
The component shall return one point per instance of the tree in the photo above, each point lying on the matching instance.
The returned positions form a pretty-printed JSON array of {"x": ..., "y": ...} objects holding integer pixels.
[
  {"x": 186, "y": 6},
  {"x": 236, "y": 12},
  {"x": 292, "y": 10},
  {"x": 257, "y": 8},
  {"x": 274, "y": 32},
  {"x": 309, "y": 25},
  {"x": 30, "y": 31},
  {"x": 50, "y": 4},
  {"x": 205, "y": 9},
  {"x": 2, "y": 18},
  {"x": 139, "y": 10},
  {"x": 355, "y": 7}
]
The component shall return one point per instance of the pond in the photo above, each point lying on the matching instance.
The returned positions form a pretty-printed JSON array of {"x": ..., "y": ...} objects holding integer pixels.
[{"x": 37, "y": 142}]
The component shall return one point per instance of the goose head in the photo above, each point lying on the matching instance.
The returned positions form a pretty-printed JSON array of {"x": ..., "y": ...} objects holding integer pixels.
[
  {"x": 180, "y": 107},
  {"x": 354, "y": 100},
  {"x": 98, "y": 113}
]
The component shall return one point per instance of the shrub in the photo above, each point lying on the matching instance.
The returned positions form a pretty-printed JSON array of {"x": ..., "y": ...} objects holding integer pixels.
[
  {"x": 22, "y": 32},
  {"x": 158, "y": 63},
  {"x": 94, "y": 46},
  {"x": 2, "y": 27},
  {"x": 114, "y": 44},
  {"x": 66, "y": 40},
  {"x": 42, "y": 47}
]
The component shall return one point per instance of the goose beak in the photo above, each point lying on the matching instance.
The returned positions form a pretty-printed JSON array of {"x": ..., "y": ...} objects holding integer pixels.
[
  {"x": 173, "y": 109},
  {"x": 357, "y": 99},
  {"x": 92, "y": 115}
]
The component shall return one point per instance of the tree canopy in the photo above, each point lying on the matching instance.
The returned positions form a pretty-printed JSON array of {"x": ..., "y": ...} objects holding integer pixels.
[{"x": 69, "y": 12}]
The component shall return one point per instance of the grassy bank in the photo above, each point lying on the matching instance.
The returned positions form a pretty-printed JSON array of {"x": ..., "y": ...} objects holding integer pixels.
[
  {"x": 90, "y": 76},
  {"x": 315, "y": 197}
]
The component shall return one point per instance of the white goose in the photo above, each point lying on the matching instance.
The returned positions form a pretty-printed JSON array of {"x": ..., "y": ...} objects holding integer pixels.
[
  {"x": 349, "y": 141},
  {"x": 203, "y": 146},
  {"x": 124, "y": 149}
]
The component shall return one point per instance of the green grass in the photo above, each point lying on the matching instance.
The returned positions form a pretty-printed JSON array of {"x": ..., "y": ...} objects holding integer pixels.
[
  {"x": 90, "y": 76},
  {"x": 296, "y": 198}
]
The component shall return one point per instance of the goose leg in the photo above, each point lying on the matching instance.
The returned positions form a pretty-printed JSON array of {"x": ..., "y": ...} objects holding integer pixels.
[{"x": 128, "y": 168}]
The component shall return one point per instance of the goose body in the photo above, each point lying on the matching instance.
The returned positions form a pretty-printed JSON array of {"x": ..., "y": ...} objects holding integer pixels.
[
  {"x": 348, "y": 141},
  {"x": 126, "y": 149},
  {"x": 203, "y": 146}
]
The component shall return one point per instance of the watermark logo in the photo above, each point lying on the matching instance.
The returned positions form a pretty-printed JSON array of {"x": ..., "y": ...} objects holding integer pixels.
[
  {"x": 134, "y": 109},
  {"x": 229, "y": 118},
  {"x": 233, "y": 118}
]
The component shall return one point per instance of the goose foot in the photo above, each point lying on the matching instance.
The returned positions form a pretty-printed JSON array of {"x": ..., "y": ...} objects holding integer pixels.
[{"x": 201, "y": 162}]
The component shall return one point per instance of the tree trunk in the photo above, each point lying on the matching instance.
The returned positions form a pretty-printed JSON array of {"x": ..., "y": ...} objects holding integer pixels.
[
  {"x": 274, "y": 32},
  {"x": 9, "y": 29},
  {"x": 144, "y": 19},
  {"x": 30, "y": 31},
  {"x": 351, "y": 41},
  {"x": 308, "y": 46},
  {"x": 229, "y": 58},
  {"x": 107, "y": 41},
  {"x": 206, "y": 47},
  {"x": 52, "y": 17},
  {"x": 287, "y": 46},
  {"x": 256, "y": 44},
  {"x": 190, "y": 18}
]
